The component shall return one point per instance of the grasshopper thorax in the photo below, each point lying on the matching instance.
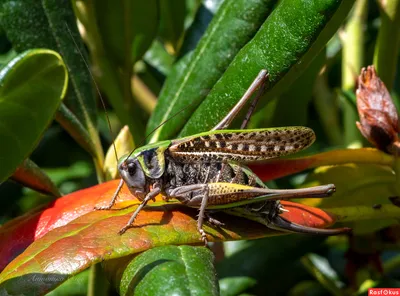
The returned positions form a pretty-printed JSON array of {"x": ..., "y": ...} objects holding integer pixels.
[{"x": 143, "y": 167}]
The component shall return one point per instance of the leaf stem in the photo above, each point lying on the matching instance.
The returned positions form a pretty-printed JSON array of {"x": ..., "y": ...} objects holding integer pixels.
[
  {"x": 353, "y": 58},
  {"x": 97, "y": 284},
  {"x": 387, "y": 46},
  {"x": 319, "y": 275},
  {"x": 109, "y": 76},
  {"x": 143, "y": 95},
  {"x": 326, "y": 107}
]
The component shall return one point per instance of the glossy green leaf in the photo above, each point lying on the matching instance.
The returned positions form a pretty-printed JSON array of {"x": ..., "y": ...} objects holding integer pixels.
[
  {"x": 158, "y": 58},
  {"x": 54, "y": 24},
  {"x": 167, "y": 270},
  {"x": 291, "y": 37},
  {"x": 193, "y": 76},
  {"x": 27, "y": 103}
]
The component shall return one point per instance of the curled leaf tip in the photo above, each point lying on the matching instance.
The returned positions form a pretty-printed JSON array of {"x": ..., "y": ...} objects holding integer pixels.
[{"x": 379, "y": 121}]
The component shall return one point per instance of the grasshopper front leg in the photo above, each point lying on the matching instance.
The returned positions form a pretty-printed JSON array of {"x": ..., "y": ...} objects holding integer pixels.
[
  {"x": 151, "y": 195},
  {"x": 113, "y": 199}
]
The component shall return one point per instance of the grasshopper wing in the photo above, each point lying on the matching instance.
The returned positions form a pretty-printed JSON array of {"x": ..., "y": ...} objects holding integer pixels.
[{"x": 242, "y": 145}]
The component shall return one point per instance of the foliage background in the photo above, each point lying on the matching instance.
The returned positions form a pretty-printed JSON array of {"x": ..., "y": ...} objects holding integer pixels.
[{"x": 139, "y": 51}]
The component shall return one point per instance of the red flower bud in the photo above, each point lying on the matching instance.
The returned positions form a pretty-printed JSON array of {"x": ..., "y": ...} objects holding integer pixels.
[{"x": 379, "y": 122}]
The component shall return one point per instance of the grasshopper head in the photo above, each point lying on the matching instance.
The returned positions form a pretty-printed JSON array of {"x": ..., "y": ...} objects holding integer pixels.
[{"x": 132, "y": 173}]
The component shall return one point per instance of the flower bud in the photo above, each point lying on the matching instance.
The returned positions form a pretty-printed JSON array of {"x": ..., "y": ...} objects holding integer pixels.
[{"x": 379, "y": 121}]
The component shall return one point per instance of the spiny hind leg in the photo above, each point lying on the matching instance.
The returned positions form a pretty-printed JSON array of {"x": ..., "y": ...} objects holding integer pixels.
[
  {"x": 113, "y": 199},
  {"x": 258, "y": 83}
]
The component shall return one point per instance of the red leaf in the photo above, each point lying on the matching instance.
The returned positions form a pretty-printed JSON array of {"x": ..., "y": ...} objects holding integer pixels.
[{"x": 68, "y": 235}]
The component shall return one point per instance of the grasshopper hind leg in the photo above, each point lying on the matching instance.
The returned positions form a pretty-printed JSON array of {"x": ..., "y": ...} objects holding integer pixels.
[
  {"x": 258, "y": 83},
  {"x": 281, "y": 224}
]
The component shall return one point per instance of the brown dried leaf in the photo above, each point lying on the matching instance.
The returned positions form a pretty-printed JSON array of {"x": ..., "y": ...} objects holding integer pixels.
[{"x": 379, "y": 122}]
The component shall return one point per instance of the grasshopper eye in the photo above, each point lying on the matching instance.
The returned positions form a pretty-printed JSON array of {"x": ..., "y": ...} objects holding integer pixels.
[{"x": 131, "y": 168}]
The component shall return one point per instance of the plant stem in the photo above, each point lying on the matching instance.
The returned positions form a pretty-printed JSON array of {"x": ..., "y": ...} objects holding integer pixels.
[
  {"x": 353, "y": 57},
  {"x": 326, "y": 281},
  {"x": 97, "y": 284},
  {"x": 143, "y": 94},
  {"x": 353, "y": 44},
  {"x": 324, "y": 102},
  {"x": 387, "y": 46}
]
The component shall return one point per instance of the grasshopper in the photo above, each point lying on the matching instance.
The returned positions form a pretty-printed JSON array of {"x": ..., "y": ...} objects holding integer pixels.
[{"x": 207, "y": 171}]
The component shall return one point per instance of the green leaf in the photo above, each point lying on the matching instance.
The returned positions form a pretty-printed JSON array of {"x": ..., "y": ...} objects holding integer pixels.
[
  {"x": 371, "y": 186},
  {"x": 127, "y": 28},
  {"x": 168, "y": 270},
  {"x": 292, "y": 106},
  {"x": 202, "y": 19},
  {"x": 158, "y": 58},
  {"x": 267, "y": 260},
  {"x": 232, "y": 27},
  {"x": 53, "y": 27},
  {"x": 291, "y": 37},
  {"x": 76, "y": 286},
  {"x": 235, "y": 285},
  {"x": 30, "y": 175},
  {"x": 27, "y": 103},
  {"x": 320, "y": 268}
]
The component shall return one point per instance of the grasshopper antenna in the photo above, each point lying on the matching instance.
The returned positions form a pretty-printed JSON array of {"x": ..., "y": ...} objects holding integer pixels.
[
  {"x": 104, "y": 106},
  {"x": 160, "y": 125},
  {"x": 121, "y": 182},
  {"x": 97, "y": 89}
]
